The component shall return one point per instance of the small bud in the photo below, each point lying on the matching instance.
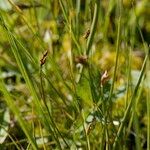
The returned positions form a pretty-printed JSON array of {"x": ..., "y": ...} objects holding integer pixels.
[
  {"x": 91, "y": 126},
  {"x": 104, "y": 77}
]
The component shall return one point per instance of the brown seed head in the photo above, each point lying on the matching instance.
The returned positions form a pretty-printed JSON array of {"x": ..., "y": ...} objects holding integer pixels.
[
  {"x": 43, "y": 59},
  {"x": 81, "y": 59},
  {"x": 87, "y": 33}
]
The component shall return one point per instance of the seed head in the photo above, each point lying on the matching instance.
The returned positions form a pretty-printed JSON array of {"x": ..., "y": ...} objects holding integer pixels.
[{"x": 43, "y": 59}]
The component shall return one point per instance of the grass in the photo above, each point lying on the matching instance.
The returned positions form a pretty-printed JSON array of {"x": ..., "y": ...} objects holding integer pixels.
[{"x": 74, "y": 75}]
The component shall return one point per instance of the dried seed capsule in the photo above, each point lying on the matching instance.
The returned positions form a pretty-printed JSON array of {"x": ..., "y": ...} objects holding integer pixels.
[
  {"x": 87, "y": 33},
  {"x": 81, "y": 59},
  {"x": 43, "y": 59}
]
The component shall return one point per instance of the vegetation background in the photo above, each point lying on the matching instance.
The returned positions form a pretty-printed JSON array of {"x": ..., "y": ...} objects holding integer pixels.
[{"x": 74, "y": 74}]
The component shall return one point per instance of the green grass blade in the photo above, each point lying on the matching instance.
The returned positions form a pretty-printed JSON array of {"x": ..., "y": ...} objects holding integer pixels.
[
  {"x": 39, "y": 109},
  {"x": 15, "y": 110},
  {"x": 130, "y": 103},
  {"x": 93, "y": 26}
]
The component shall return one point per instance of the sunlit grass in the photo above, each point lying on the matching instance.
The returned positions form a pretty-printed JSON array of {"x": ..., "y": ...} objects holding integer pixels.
[{"x": 73, "y": 83}]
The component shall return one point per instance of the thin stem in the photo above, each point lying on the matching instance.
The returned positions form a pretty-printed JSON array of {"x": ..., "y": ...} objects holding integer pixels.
[
  {"x": 69, "y": 26},
  {"x": 128, "y": 77},
  {"x": 107, "y": 18},
  {"x": 91, "y": 36},
  {"x": 93, "y": 27},
  {"x": 130, "y": 104},
  {"x": 84, "y": 126},
  {"x": 23, "y": 17},
  {"x": 148, "y": 105},
  {"x": 77, "y": 17},
  {"x": 11, "y": 138},
  {"x": 117, "y": 55}
]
